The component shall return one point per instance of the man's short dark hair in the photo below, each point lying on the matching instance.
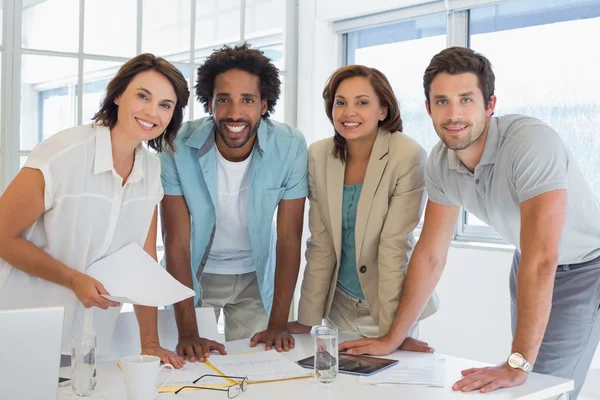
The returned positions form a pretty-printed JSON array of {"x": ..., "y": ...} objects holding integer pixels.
[
  {"x": 244, "y": 58},
  {"x": 459, "y": 60}
]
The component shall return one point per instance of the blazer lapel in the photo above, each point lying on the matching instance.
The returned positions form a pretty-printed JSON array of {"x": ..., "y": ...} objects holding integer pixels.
[
  {"x": 375, "y": 169},
  {"x": 335, "y": 193}
]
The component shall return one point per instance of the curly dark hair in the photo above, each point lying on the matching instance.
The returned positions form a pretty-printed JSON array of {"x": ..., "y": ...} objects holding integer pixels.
[{"x": 246, "y": 59}]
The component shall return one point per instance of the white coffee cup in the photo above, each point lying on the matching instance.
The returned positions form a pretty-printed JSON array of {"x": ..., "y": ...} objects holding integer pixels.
[{"x": 141, "y": 372}]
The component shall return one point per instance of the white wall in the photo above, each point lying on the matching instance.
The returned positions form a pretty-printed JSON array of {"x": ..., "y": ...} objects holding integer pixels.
[{"x": 474, "y": 319}]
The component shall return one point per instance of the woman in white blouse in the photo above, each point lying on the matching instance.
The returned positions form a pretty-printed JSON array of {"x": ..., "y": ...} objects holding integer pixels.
[{"x": 86, "y": 192}]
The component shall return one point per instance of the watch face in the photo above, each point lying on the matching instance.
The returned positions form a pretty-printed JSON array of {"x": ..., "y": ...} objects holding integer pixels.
[{"x": 516, "y": 360}]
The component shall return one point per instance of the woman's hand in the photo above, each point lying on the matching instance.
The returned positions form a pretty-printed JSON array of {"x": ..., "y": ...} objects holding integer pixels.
[{"x": 89, "y": 291}]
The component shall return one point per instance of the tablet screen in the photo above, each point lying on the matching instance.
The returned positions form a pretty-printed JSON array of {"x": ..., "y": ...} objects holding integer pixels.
[{"x": 359, "y": 365}]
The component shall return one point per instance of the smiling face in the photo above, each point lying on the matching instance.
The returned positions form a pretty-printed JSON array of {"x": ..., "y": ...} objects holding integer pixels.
[
  {"x": 357, "y": 110},
  {"x": 458, "y": 109},
  {"x": 146, "y": 106},
  {"x": 236, "y": 107}
]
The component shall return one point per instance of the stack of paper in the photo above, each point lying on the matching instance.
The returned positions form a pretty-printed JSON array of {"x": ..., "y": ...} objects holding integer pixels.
[
  {"x": 264, "y": 366},
  {"x": 130, "y": 275},
  {"x": 412, "y": 369}
]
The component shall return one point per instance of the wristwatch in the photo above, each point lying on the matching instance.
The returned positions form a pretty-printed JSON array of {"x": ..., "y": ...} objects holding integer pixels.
[{"x": 517, "y": 361}]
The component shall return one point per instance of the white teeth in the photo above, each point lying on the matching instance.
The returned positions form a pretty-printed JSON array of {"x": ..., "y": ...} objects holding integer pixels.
[
  {"x": 351, "y": 124},
  {"x": 144, "y": 123},
  {"x": 236, "y": 129}
]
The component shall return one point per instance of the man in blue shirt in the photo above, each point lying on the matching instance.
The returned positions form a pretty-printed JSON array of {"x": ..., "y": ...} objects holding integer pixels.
[{"x": 228, "y": 175}]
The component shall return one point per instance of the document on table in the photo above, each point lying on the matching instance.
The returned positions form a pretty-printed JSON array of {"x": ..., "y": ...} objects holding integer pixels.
[
  {"x": 412, "y": 369},
  {"x": 189, "y": 373},
  {"x": 130, "y": 275},
  {"x": 259, "y": 367}
]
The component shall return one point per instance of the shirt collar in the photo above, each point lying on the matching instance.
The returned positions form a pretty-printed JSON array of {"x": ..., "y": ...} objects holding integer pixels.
[
  {"x": 203, "y": 138},
  {"x": 103, "y": 161},
  {"x": 490, "y": 150}
]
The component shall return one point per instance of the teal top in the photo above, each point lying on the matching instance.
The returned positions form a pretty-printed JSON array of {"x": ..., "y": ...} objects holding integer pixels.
[{"x": 348, "y": 276}]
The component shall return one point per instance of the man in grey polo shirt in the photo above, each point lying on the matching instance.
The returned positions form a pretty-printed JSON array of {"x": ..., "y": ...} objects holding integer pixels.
[{"x": 514, "y": 173}]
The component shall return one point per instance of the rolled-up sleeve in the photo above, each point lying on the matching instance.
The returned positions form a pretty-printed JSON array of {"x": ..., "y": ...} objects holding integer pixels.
[
  {"x": 297, "y": 183},
  {"x": 169, "y": 174}
]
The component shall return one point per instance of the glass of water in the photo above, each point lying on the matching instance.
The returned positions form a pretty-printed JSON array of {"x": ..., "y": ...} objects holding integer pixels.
[
  {"x": 83, "y": 364},
  {"x": 326, "y": 353}
]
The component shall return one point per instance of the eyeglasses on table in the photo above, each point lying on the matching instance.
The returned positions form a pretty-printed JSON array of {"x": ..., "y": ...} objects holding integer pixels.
[{"x": 233, "y": 390}]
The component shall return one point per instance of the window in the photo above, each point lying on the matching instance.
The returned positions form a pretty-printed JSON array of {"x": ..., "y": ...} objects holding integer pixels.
[
  {"x": 541, "y": 69},
  {"x": 558, "y": 78},
  {"x": 64, "y": 68},
  {"x": 402, "y": 51}
]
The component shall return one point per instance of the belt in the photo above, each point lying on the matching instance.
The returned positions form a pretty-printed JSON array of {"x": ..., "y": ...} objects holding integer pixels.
[{"x": 568, "y": 267}]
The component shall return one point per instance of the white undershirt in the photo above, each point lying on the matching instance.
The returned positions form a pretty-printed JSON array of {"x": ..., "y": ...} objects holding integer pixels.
[{"x": 231, "y": 252}]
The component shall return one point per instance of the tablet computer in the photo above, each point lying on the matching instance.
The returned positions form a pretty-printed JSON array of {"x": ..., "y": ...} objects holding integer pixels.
[{"x": 355, "y": 365}]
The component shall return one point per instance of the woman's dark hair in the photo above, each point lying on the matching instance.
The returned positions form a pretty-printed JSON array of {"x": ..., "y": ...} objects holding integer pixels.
[
  {"x": 381, "y": 86},
  {"x": 244, "y": 58},
  {"x": 108, "y": 113}
]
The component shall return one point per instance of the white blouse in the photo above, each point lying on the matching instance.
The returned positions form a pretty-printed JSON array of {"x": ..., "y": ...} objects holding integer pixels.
[{"x": 88, "y": 215}]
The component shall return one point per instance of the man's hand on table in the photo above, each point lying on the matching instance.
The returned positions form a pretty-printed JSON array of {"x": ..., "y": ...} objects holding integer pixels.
[
  {"x": 281, "y": 339},
  {"x": 197, "y": 348},
  {"x": 490, "y": 378}
]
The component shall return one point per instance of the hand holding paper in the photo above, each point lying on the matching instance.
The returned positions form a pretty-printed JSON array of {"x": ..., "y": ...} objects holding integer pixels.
[
  {"x": 130, "y": 275},
  {"x": 89, "y": 291}
]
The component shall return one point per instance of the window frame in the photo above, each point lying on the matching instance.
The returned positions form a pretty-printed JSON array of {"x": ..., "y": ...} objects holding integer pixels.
[
  {"x": 12, "y": 52},
  {"x": 457, "y": 34},
  {"x": 457, "y": 27}
]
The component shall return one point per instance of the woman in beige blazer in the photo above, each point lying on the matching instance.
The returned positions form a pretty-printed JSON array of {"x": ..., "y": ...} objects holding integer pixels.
[{"x": 367, "y": 193}]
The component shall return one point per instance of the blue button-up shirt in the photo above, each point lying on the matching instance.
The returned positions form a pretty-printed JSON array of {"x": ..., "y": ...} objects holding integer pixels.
[{"x": 278, "y": 172}]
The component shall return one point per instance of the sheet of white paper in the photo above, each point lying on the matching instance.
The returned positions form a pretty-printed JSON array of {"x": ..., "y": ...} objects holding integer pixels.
[
  {"x": 130, "y": 275},
  {"x": 262, "y": 366},
  {"x": 412, "y": 369}
]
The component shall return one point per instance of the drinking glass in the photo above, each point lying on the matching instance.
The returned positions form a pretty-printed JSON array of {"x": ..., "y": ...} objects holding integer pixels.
[
  {"x": 83, "y": 363},
  {"x": 326, "y": 354}
]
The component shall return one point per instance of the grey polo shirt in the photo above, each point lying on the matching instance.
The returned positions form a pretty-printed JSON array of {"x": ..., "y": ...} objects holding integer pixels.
[{"x": 522, "y": 158}]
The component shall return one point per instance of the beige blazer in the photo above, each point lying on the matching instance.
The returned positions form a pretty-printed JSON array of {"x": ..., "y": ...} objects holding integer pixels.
[{"x": 390, "y": 207}]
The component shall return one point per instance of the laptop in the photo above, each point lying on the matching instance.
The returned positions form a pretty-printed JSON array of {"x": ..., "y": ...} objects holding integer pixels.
[{"x": 30, "y": 347}]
